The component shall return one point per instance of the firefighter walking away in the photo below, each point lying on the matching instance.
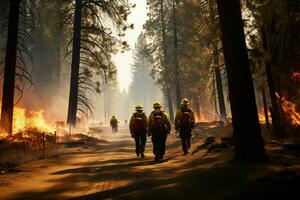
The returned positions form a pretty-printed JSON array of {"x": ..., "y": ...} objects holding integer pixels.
[
  {"x": 185, "y": 123},
  {"x": 138, "y": 130},
  {"x": 114, "y": 124},
  {"x": 159, "y": 127}
]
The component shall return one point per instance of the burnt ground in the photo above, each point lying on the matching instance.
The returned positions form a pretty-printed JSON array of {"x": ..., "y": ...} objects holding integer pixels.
[{"x": 112, "y": 171}]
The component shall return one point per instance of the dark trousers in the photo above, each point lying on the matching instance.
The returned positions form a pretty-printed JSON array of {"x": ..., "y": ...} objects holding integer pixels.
[
  {"x": 159, "y": 144},
  {"x": 114, "y": 128},
  {"x": 140, "y": 142},
  {"x": 185, "y": 141}
]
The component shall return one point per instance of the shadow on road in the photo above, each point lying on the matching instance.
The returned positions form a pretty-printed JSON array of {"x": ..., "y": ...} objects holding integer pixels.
[{"x": 111, "y": 172}]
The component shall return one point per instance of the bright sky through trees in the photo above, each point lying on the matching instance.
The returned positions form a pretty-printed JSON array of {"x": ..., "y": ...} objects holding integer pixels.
[{"x": 123, "y": 61}]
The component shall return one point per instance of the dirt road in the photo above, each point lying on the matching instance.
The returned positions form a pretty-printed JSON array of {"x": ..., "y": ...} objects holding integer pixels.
[
  {"x": 112, "y": 171},
  {"x": 106, "y": 171}
]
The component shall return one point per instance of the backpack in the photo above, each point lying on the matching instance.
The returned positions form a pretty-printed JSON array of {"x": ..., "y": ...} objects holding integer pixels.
[
  {"x": 186, "y": 120},
  {"x": 157, "y": 122},
  {"x": 138, "y": 125}
]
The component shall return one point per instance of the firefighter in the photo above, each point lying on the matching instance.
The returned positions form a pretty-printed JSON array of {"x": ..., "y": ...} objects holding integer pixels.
[
  {"x": 159, "y": 127},
  {"x": 138, "y": 130},
  {"x": 114, "y": 124},
  {"x": 185, "y": 123}
]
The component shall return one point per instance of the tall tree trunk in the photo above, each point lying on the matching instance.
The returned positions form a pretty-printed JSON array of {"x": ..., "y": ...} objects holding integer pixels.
[
  {"x": 60, "y": 43},
  {"x": 58, "y": 57},
  {"x": 220, "y": 93},
  {"x": 170, "y": 105},
  {"x": 144, "y": 83},
  {"x": 10, "y": 67},
  {"x": 248, "y": 139},
  {"x": 197, "y": 106},
  {"x": 278, "y": 128},
  {"x": 215, "y": 99},
  {"x": 165, "y": 63},
  {"x": 218, "y": 75},
  {"x": 75, "y": 65},
  {"x": 176, "y": 63},
  {"x": 265, "y": 107}
]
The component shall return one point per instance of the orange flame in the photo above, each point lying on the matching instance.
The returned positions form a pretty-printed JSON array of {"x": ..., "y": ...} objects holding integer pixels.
[
  {"x": 290, "y": 109},
  {"x": 201, "y": 118},
  {"x": 36, "y": 120},
  {"x": 261, "y": 116}
]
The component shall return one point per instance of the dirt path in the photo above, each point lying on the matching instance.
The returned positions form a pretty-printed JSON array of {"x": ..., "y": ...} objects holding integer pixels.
[
  {"x": 112, "y": 171},
  {"x": 95, "y": 170}
]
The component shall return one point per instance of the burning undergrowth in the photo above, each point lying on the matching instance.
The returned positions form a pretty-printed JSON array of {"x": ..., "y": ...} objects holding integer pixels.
[
  {"x": 289, "y": 111},
  {"x": 24, "y": 120},
  {"x": 36, "y": 137},
  {"x": 291, "y": 114}
]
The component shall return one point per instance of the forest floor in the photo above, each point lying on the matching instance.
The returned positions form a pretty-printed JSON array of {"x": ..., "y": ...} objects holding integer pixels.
[{"x": 111, "y": 170}]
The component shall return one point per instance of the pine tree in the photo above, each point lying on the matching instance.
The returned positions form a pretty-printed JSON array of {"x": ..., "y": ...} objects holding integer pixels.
[
  {"x": 142, "y": 89},
  {"x": 93, "y": 44}
]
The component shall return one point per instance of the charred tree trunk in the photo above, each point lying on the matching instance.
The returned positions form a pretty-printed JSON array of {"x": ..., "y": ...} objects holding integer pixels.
[
  {"x": 164, "y": 38},
  {"x": 75, "y": 65},
  {"x": 10, "y": 67},
  {"x": 265, "y": 107},
  {"x": 176, "y": 63},
  {"x": 248, "y": 140},
  {"x": 218, "y": 75},
  {"x": 278, "y": 128}
]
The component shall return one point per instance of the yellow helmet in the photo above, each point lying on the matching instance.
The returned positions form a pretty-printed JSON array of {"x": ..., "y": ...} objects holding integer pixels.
[
  {"x": 185, "y": 102},
  {"x": 156, "y": 105},
  {"x": 139, "y": 108}
]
